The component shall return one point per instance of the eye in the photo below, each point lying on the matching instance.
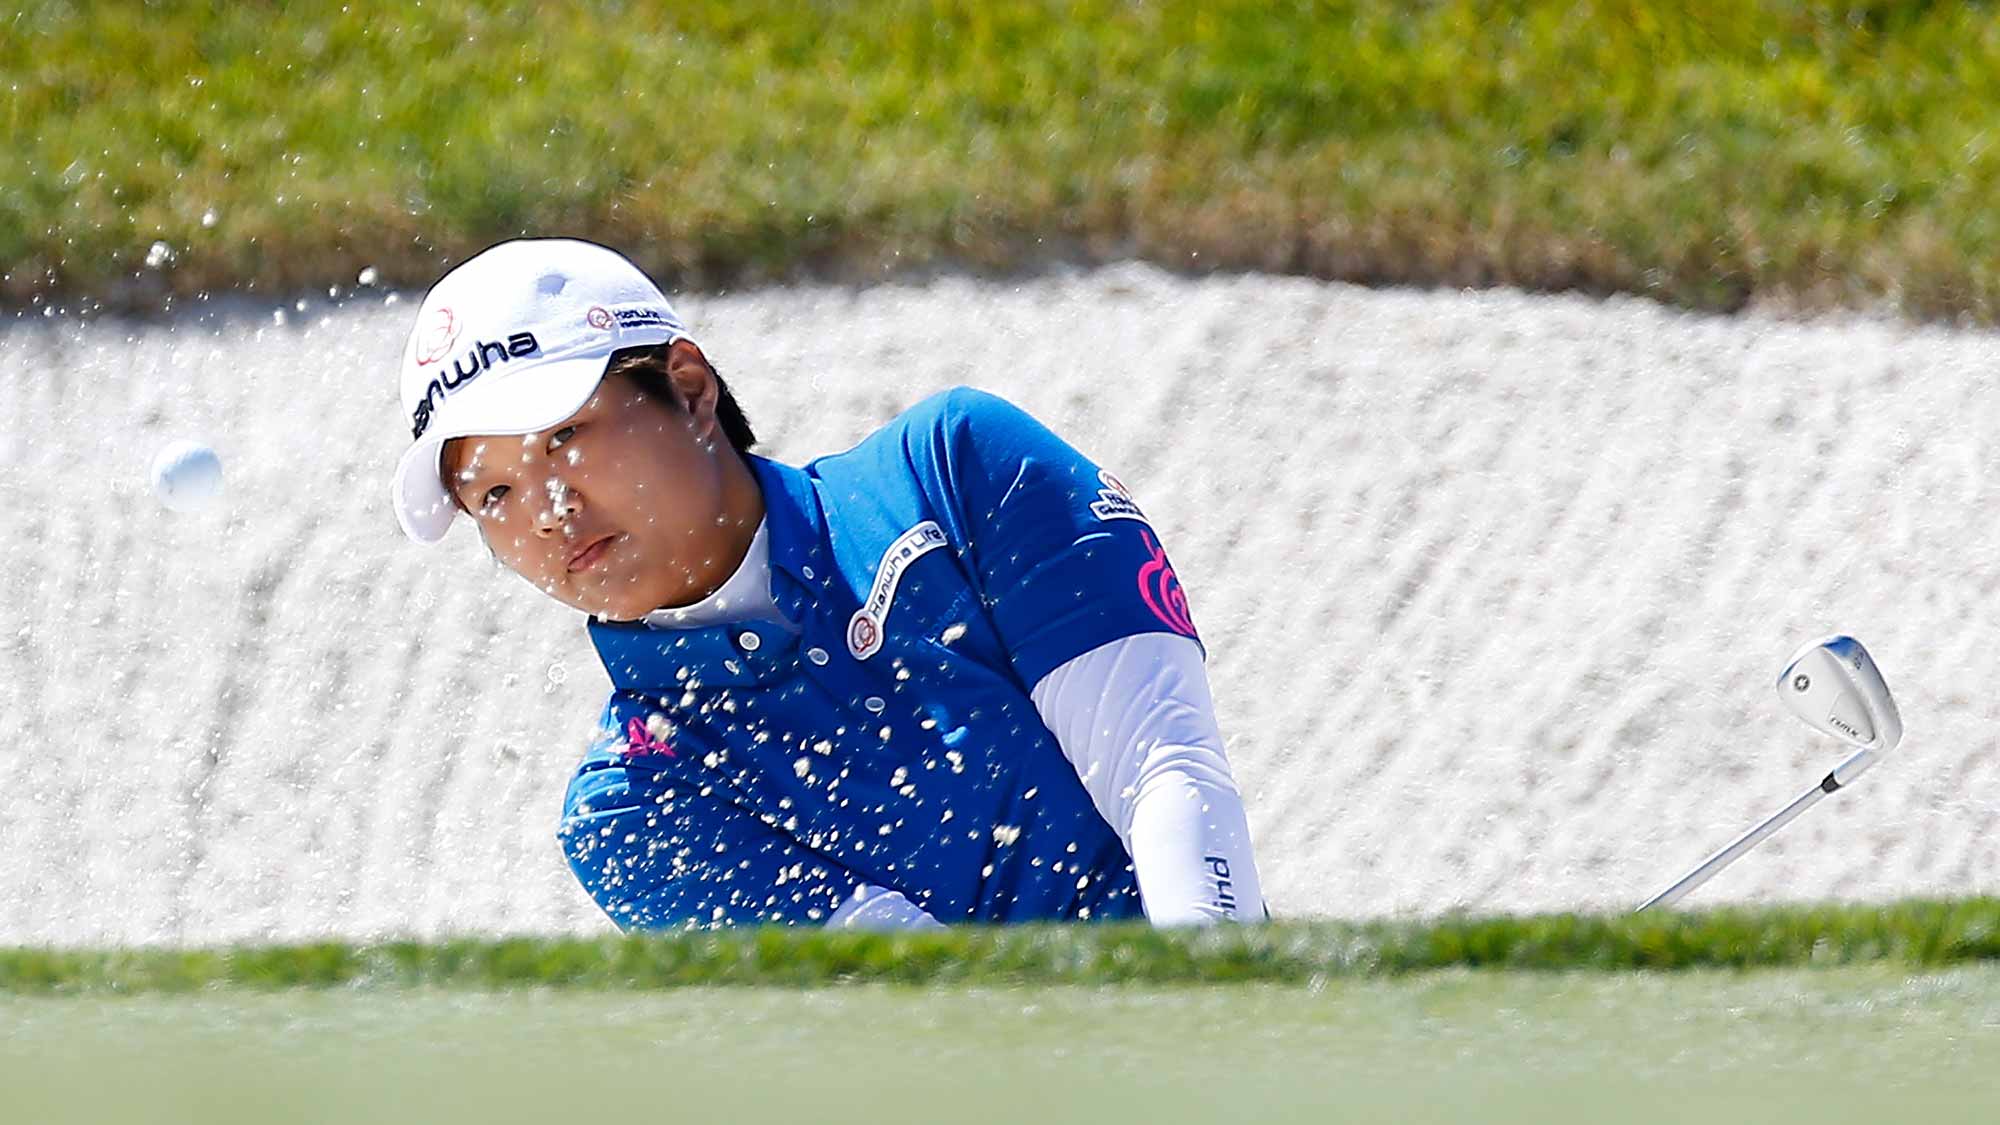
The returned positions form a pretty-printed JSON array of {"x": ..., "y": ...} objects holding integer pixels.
[
  {"x": 493, "y": 496},
  {"x": 561, "y": 437}
]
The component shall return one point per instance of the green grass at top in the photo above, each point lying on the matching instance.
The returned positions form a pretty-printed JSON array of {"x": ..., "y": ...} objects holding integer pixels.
[
  {"x": 1917, "y": 934},
  {"x": 1708, "y": 152}
]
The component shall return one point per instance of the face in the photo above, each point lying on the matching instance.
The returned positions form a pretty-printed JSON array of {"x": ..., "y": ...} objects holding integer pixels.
[{"x": 630, "y": 504}]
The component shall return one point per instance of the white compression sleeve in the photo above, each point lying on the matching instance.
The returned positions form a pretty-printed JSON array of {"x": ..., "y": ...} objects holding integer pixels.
[{"x": 1136, "y": 720}]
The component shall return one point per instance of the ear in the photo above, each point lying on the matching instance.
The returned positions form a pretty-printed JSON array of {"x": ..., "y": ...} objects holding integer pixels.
[{"x": 694, "y": 385}]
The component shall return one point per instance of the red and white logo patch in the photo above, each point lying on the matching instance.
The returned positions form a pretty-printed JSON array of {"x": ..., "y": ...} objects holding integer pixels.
[
  {"x": 1114, "y": 501},
  {"x": 439, "y": 333},
  {"x": 864, "y": 637},
  {"x": 598, "y": 317}
]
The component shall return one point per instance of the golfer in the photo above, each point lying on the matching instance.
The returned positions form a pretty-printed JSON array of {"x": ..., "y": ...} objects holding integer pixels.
[{"x": 946, "y": 676}]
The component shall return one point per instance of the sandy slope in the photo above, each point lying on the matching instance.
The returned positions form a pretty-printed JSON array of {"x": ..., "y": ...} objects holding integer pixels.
[{"x": 1494, "y": 588}]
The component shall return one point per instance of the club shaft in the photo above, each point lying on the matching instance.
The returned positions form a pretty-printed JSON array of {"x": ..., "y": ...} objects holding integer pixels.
[
  {"x": 1842, "y": 775},
  {"x": 1737, "y": 847}
]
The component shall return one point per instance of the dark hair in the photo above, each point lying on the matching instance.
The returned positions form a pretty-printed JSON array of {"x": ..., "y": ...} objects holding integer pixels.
[{"x": 647, "y": 369}]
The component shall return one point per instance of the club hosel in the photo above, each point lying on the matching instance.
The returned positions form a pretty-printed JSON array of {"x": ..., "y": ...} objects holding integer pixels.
[{"x": 1845, "y": 773}]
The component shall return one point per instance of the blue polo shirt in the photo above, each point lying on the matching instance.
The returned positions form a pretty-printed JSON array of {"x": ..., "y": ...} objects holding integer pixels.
[{"x": 748, "y": 773}]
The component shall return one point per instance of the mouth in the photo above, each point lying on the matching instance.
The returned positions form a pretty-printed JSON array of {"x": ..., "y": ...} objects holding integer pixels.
[{"x": 591, "y": 553}]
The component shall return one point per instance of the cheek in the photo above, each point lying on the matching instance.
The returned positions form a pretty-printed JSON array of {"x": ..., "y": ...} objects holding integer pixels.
[
  {"x": 661, "y": 485},
  {"x": 674, "y": 511}
]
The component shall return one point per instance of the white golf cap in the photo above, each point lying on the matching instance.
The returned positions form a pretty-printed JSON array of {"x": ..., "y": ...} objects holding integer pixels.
[{"x": 513, "y": 341}]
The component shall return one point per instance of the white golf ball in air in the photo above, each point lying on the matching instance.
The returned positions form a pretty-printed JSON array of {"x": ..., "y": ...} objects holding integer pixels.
[{"x": 187, "y": 476}]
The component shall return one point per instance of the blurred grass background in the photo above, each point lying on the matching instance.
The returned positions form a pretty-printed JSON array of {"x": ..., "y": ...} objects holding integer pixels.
[
  {"x": 1850, "y": 1046},
  {"x": 1709, "y": 153},
  {"x": 1911, "y": 935}
]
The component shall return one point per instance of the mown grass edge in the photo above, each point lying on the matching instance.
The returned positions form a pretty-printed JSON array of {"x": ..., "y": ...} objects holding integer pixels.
[{"x": 1918, "y": 934}]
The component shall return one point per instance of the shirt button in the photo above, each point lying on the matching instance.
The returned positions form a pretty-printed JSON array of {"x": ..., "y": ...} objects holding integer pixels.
[
  {"x": 750, "y": 641},
  {"x": 808, "y": 572},
  {"x": 817, "y": 656},
  {"x": 874, "y": 703}
]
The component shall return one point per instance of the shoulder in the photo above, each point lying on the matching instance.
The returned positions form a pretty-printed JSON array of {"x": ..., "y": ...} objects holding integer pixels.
[
  {"x": 962, "y": 406},
  {"x": 943, "y": 419},
  {"x": 960, "y": 457},
  {"x": 963, "y": 413},
  {"x": 965, "y": 434},
  {"x": 948, "y": 441}
]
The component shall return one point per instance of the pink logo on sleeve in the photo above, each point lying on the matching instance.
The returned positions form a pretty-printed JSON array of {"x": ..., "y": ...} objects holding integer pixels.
[
  {"x": 1161, "y": 589},
  {"x": 641, "y": 740}
]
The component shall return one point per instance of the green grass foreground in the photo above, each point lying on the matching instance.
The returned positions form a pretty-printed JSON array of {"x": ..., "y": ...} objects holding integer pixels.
[
  {"x": 1708, "y": 153},
  {"x": 1916, "y": 934}
]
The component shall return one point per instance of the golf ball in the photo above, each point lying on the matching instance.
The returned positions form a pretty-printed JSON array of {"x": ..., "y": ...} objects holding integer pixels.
[{"x": 187, "y": 476}]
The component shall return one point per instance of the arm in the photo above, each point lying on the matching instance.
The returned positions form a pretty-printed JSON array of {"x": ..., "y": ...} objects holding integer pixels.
[
  {"x": 1135, "y": 719},
  {"x": 657, "y": 850},
  {"x": 1099, "y": 631}
]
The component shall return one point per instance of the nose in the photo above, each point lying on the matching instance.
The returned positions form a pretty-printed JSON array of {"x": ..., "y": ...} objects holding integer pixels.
[{"x": 564, "y": 504}]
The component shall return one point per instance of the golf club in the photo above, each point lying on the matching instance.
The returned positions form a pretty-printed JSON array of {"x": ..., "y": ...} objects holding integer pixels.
[{"x": 1834, "y": 685}]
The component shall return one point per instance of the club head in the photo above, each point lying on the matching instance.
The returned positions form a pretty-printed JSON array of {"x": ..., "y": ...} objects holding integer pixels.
[{"x": 1834, "y": 685}]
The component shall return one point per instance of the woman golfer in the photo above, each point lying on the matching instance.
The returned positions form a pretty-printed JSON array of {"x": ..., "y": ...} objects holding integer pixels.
[{"x": 946, "y": 676}]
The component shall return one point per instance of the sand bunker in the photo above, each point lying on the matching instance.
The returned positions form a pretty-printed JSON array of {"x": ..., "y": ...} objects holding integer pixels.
[{"x": 1493, "y": 588}]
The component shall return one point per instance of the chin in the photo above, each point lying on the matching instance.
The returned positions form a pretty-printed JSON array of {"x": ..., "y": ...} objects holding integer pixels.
[
  {"x": 619, "y": 613},
  {"x": 627, "y": 608}
]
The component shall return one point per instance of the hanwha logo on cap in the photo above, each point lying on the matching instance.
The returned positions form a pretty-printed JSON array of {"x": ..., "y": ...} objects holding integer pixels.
[
  {"x": 598, "y": 318},
  {"x": 438, "y": 336}
]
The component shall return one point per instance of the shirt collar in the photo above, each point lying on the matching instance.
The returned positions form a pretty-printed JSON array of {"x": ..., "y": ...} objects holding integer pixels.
[
  {"x": 798, "y": 526},
  {"x": 746, "y": 596}
]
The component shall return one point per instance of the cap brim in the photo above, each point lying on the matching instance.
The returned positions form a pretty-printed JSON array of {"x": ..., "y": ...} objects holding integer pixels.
[{"x": 535, "y": 399}]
